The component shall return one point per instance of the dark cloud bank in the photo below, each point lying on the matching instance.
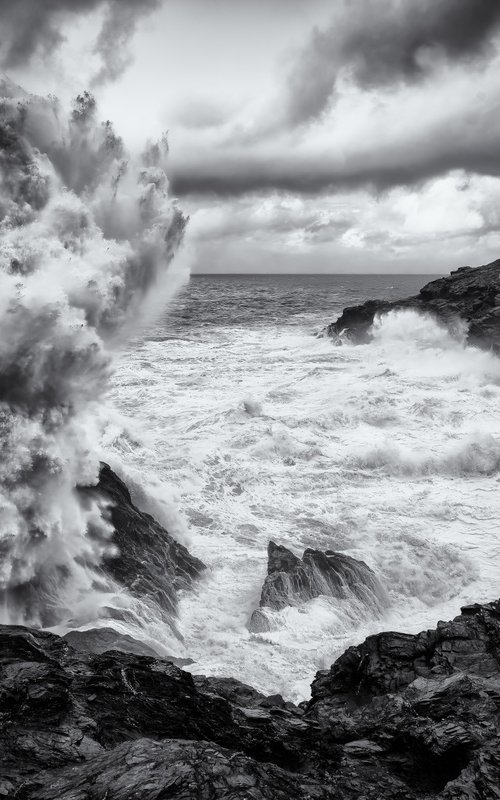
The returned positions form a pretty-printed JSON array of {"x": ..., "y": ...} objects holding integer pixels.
[
  {"x": 33, "y": 27},
  {"x": 375, "y": 45},
  {"x": 382, "y": 42}
]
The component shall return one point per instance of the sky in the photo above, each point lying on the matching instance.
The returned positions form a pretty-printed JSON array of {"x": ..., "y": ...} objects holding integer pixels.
[{"x": 305, "y": 135}]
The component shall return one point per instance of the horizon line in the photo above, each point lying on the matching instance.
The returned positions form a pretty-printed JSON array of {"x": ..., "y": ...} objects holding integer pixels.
[{"x": 318, "y": 274}]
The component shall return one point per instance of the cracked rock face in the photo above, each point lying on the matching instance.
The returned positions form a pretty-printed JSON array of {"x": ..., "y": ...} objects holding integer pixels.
[
  {"x": 400, "y": 717},
  {"x": 292, "y": 581},
  {"x": 469, "y": 294}
]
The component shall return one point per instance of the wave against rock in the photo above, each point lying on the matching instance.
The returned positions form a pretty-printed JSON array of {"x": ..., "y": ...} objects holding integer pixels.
[
  {"x": 468, "y": 294},
  {"x": 148, "y": 561},
  {"x": 291, "y": 581}
]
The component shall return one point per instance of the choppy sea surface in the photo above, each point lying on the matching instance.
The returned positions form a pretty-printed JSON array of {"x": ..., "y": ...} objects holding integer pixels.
[{"x": 235, "y": 423}]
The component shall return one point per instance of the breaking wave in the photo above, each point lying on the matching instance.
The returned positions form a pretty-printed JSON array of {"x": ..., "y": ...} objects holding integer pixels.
[
  {"x": 86, "y": 231},
  {"x": 388, "y": 452}
]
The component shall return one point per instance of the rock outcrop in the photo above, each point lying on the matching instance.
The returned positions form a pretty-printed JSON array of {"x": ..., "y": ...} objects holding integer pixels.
[
  {"x": 469, "y": 294},
  {"x": 291, "y": 581},
  {"x": 399, "y": 717},
  {"x": 149, "y": 562},
  {"x": 119, "y": 725}
]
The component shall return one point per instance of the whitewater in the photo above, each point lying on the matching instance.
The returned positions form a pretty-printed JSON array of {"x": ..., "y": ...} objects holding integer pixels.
[
  {"x": 234, "y": 421},
  {"x": 232, "y": 418}
]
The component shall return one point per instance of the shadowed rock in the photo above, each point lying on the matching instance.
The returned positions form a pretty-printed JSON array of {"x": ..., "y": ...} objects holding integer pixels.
[
  {"x": 399, "y": 717},
  {"x": 291, "y": 581},
  {"x": 472, "y": 295},
  {"x": 149, "y": 562}
]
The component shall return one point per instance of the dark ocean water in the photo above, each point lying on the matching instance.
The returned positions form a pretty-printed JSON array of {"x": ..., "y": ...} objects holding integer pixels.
[
  {"x": 239, "y": 425},
  {"x": 255, "y": 300}
]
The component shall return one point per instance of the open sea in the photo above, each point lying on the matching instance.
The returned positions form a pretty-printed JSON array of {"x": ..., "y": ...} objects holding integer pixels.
[{"x": 236, "y": 422}]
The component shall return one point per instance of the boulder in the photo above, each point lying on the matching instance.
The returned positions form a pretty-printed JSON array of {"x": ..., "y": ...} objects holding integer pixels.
[{"x": 469, "y": 294}]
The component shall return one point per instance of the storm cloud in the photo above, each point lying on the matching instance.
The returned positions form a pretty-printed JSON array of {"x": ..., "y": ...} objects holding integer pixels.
[
  {"x": 383, "y": 42},
  {"x": 34, "y": 27},
  {"x": 368, "y": 125},
  {"x": 384, "y": 152}
]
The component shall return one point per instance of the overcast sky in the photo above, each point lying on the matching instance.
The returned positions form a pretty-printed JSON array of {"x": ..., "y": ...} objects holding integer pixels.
[{"x": 305, "y": 135}]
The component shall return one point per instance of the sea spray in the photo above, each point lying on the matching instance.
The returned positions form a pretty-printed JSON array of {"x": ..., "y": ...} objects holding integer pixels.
[
  {"x": 298, "y": 472},
  {"x": 85, "y": 233}
]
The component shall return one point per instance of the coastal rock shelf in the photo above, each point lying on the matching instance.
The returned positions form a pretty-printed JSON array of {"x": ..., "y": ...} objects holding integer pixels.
[
  {"x": 468, "y": 294},
  {"x": 400, "y": 716}
]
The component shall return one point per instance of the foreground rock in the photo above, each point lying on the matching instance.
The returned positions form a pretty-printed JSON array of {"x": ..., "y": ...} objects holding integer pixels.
[
  {"x": 472, "y": 295},
  {"x": 149, "y": 562},
  {"x": 398, "y": 717},
  {"x": 291, "y": 581},
  {"x": 118, "y": 725},
  {"x": 426, "y": 707}
]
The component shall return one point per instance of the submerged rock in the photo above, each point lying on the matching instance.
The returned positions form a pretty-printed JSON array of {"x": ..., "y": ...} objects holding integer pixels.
[
  {"x": 469, "y": 294},
  {"x": 401, "y": 717},
  {"x": 100, "y": 640},
  {"x": 291, "y": 581},
  {"x": 149, "y": 562}
]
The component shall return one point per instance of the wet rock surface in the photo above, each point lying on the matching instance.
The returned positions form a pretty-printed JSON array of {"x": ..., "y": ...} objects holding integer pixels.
[
  {"x": 149, "y": 562},
  {"x": 399, "y": 716},
  {"x": 469, "y": 294},
  {"x": 291, "y": 581},
  {"x": 99, "y": 640}
]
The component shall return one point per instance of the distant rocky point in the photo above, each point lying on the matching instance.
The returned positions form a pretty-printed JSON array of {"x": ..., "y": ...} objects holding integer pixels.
[{"x": 470, "y": 294}]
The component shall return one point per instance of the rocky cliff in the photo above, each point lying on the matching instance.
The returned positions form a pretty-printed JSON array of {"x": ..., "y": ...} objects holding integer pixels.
[
  {"x": 468, "y": 294},
  {"x": 398, "y": 717}
]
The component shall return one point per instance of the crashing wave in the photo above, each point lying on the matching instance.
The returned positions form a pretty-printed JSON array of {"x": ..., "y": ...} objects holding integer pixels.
[{"x": 86, "y": 231}]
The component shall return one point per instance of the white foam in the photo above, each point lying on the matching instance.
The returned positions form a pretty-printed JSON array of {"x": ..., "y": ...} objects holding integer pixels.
[
  {"x": 85, "y": 236},
  {"x": 388, "y": 452}
]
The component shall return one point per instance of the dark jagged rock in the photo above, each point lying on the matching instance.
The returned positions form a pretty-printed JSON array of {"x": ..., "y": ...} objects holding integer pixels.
[
  {"x": 291, "y": 581},
  {"x": 149, "y": 561},
  {"x": 388, "y": 662},
  {"x": 400, "y": 717},
  {"x": 426, "y": 706},
  {"x": 62, "y": 708},
  {"x": 173, "y": 770},
  {"x": 470, "y": 294}
]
